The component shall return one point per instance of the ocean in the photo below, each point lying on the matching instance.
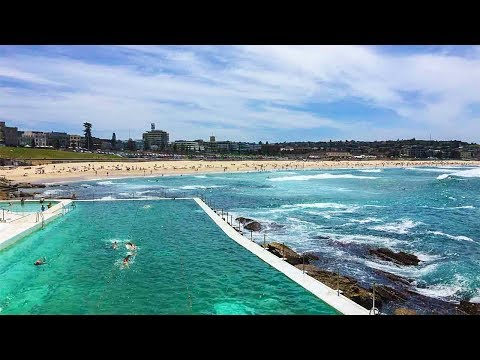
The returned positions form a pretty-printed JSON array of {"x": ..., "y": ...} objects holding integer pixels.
[{"x": 340, "y": 214}]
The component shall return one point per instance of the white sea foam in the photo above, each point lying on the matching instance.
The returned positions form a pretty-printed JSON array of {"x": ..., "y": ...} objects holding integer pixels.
[
  {"x": 475, "y": 172},
  {"x": 430, "y": 169},
  {"x": 452, "y": 207},
  {"x": 371, "y": 170},
  {"x": 200, "y": 176},
  {"x": 54, "y": 192},
  {"x": 454, "y": 237},
  {"x": 86, "y": 185},
  {"x": 428, "y": 257},
  {"x": 376, "y": 206},
  {"x": 402, "y": 227},
  {"x": 320, "y": 177},
  {"x": 404, "y": 271},
  {"x": 109, "y": 197},
  {"x": 194, "y": 187},
  {"x": 440, "y": 291},
  {"x": 363, "y": 239},
  {"x": 108, "y": 182},
  {"x": 366, "y": 220},
  {"x": 319, "y": 206}
]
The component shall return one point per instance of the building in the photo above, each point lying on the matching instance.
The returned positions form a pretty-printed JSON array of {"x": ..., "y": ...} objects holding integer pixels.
[
  {"x": 39, "y": 138},
  {"x": 338, "y": 154},
  {"x": 466, "y": 155},
  {"x": 75, "y": 141},
  {"x": 58, "y": 140},
  {"x": 8, "y": 135},
  {"x": 184, "y": 145},
  {"x": 157, "y": 138},
  {"x": 140, "y": 144},
  {"x": 416, "y": 152},
  {"x": 212, "y": 139}
]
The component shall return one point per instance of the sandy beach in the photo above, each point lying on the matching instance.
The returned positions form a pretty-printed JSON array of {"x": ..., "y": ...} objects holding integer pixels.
[{"x": 62, "y": 172}]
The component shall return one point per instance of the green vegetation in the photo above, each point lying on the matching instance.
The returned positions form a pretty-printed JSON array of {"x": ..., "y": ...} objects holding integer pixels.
[{"x": 40, "y": 154}]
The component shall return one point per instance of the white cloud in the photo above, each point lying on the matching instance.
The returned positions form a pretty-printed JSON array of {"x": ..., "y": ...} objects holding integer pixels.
[{"x": 244, "y": 91}]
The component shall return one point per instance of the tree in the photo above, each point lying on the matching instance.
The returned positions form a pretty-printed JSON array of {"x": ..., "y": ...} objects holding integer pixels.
[
  {"x": 33, "y": 142},
  {"x": 56, "y": 144},
  {"x": 114, "y": 141},
  {"x": 88, "y": 135}
]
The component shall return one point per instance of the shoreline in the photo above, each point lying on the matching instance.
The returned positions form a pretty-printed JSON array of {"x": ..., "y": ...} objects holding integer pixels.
[{"x": 91, "y": 171}]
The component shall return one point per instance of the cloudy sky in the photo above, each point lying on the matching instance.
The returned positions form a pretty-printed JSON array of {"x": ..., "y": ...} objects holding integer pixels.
[{"x": 245, "y": 93}]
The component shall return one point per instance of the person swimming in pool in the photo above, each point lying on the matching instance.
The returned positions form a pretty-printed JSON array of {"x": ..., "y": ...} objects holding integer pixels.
[
  {"x": 131, "y": 246},
  {"x": 49, "y": 205},
  {"x": 126, "y": 260},
  {"x": 114, "y": 245},
  {"x": 40, "y": 261}
]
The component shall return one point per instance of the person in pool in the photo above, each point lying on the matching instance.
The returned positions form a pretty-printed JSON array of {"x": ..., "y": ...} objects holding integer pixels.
[
  {"x": 131, "y": 245},
  {"x": 49, "y": 205},
  {"x": 40, "y": 261},
  {"x": 114, "y": 245},
  {"x": 22, "y": 201},
  {"x": 43, "y": 207},
  {"x": 126, "y": 260}
]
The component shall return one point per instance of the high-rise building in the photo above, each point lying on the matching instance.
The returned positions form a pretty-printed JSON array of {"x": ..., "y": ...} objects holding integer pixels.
[
  {"x": 212, "y": 139},
  {"x": 159, "y": 138}
]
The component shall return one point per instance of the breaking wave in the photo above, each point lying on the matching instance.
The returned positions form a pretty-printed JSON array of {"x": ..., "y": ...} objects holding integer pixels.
[
  {"x": 475, "y": 172},
  {"x": 371, "y": 170},
  {"x": 402, "y": 227},
  {"x": 454, "y": 237},
  {"x": 320, "y": 177}
]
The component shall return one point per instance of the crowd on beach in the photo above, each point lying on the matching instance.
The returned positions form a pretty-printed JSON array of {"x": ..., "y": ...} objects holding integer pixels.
[{"x": 92, "y": 170}]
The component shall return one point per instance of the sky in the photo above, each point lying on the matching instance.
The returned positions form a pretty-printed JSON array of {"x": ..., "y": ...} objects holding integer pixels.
[{"x": 245, "y": 92}]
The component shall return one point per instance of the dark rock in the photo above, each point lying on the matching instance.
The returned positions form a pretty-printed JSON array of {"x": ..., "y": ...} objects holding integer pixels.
[
  {"x": 404, "y": 311},
  {"x": 321, "y": 237},
  {"x": 346, "y": 284},
  {"x": 243, "y": 220},
  {"x": 394, "y": 277},
  {"x": 311, "y": 257},
  {"x": 387, "y": 293},
  {"x": 401, "y": 258},
  {"x": 284, "y": 251},
  {"x": 254, "y": 226},
  {"x": 469, "y": 308}
]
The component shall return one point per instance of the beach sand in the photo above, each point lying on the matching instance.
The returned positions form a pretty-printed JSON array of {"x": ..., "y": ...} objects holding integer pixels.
[{"x": 62, "y": 172}]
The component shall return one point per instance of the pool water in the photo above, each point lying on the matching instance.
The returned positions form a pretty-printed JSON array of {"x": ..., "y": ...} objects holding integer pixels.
[
  {"x": 27, "y": 207},
  {"x": 184, "y": 264}
]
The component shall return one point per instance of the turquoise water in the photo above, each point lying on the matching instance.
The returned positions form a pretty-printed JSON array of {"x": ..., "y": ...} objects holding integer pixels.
[
  {"x": 340, "y": 214},
  {"x": 184, "y": 265},
  {"x": 27, "y": 207}
]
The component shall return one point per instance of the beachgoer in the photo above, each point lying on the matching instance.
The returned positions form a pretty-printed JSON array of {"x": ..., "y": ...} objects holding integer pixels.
[
  {"x": 127, "y": 258},
  {"x": 40, "y": 261},
  {"x": 43, "y": 207},
  {"x": 22, "y": 201},
  {"x": 42, "y": 200},
  {"x": 131, "y": 245},
  {"x": 49, "y": 205}
]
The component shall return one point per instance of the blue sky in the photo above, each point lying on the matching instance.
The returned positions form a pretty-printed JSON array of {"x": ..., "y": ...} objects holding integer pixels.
[{"x": 245, "y": 93}]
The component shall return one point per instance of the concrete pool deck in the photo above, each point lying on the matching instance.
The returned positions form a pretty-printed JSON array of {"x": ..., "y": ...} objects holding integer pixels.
[
  {"x": 322, "y": 291},
  {"x": 21, "y": 226}
]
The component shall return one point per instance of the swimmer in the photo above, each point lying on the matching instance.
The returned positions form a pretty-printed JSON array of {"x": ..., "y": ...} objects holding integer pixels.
[
  {"x": 114, "y": 245},
  {"x": 40, "y": 261},
  {"x": 127, "y": 258},
  {"x": 131, "y": 246},
  {"x": 49, "y": 205},
  {"x": 43, "y": 207}
]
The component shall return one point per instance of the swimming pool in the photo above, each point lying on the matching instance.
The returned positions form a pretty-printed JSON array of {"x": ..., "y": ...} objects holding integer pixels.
[
  {"x": 184, "y": 265},
  {"x": 27, "y": 207}
]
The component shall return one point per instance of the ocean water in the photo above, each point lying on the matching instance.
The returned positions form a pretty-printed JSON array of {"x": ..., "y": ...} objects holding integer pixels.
[
  {"x": 341, "y": 214},
  {"x": 184, "y": 264}
]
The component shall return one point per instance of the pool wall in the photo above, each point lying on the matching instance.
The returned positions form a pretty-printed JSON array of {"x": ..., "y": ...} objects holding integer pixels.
[
  {"x": 20, "y": 228},
  {"x": 322, "y": 291}
]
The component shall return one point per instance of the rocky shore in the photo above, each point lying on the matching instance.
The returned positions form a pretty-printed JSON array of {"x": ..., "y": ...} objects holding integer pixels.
[
  {"x": 394, "y": 294},
  {"x": 12, "y": 190}
]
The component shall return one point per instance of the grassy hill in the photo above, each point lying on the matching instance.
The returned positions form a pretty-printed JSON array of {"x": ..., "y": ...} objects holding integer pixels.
[{"x": 40, "y": 154}]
